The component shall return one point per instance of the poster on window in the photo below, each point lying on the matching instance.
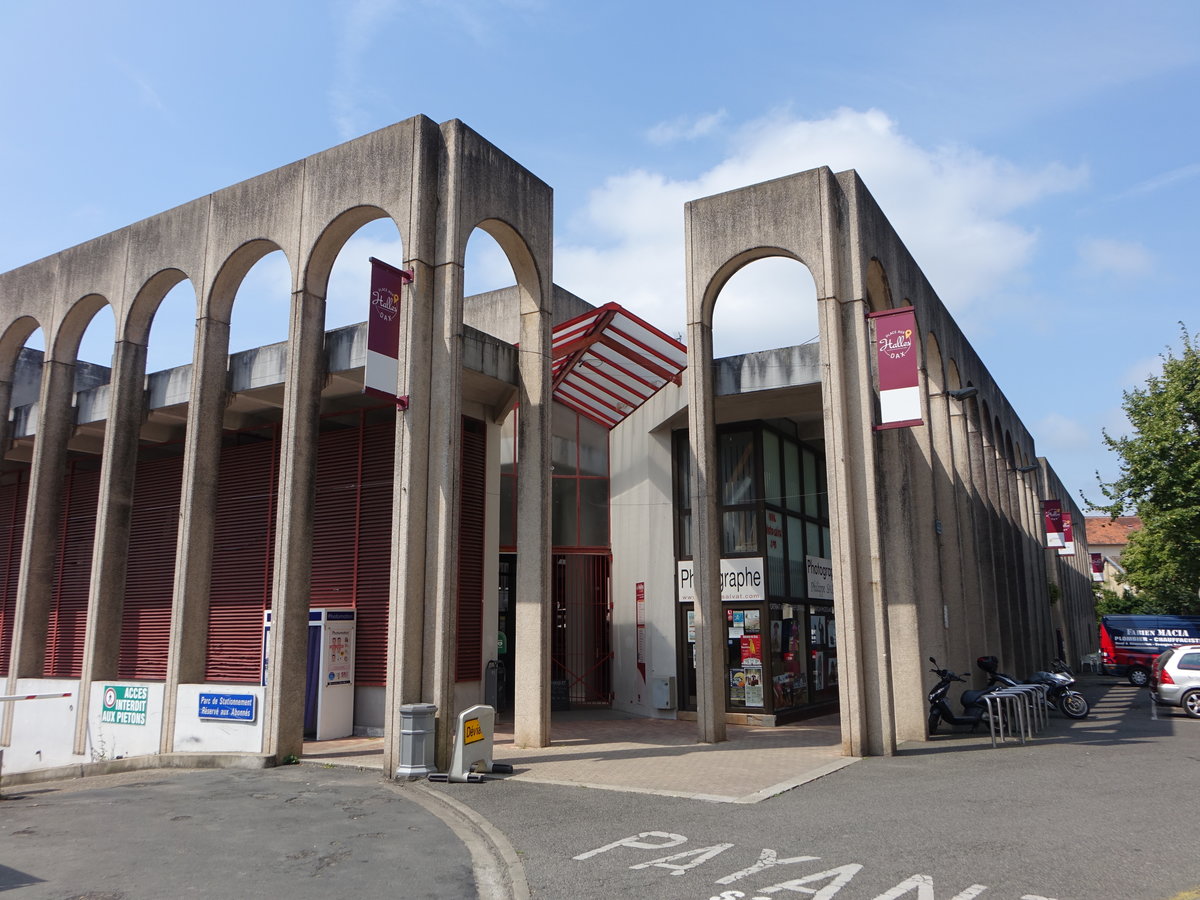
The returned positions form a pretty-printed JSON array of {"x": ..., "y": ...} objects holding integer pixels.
[
  {"x": 754, "y": 687},
  {"x": 751, "y": 650}
]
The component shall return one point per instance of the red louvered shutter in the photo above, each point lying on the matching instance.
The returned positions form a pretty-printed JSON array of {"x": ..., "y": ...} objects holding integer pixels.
[
  {"x": 374, "y": 553},
  {"x": 12, "y": 529},
  {"x": 472, "y": 517},
  {"x": 150, "y": 570},
  {"x": 72, "y": 575},
  {"x": 335, "y": 518},
  {"x": 243, "y": 546}
]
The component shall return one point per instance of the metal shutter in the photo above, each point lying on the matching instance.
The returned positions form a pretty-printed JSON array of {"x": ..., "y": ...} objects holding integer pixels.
[
  {"x": 468, "y": 665},
  {"x": 150, "y": 570},
  {"x": 12, "y": 529},
  {"x": 72, "y": 575},
  {"x": 243, "y": 546},
  {"x": 374, "y": 562}
]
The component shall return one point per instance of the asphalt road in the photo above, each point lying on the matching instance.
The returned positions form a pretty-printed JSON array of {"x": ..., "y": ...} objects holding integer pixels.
[
  {"x": 1096, "y": 810},
  {"x": 1101, "y": 809}
]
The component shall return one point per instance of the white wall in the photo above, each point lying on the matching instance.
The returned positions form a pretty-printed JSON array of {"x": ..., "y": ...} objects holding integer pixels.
[
  {"x": 643, "y": 548},
  {"x": 202, "y": 735},
  {"x": 116, "y": 740},
  {"x": 43, "y": 730}
]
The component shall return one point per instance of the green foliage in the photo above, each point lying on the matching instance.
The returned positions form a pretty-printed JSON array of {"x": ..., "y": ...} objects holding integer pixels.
[
  {"x": 1160, "y": 479},
  {"x": 1125, "y": 603}
]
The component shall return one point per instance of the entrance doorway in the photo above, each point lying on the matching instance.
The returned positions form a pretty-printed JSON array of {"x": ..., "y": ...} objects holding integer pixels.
[{"x": 581, "y": 649}]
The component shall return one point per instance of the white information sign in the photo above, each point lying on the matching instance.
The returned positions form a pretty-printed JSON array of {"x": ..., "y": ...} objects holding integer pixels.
[
  {"x": 820, "y": 577},
  {"x": 742, "y": 580}
]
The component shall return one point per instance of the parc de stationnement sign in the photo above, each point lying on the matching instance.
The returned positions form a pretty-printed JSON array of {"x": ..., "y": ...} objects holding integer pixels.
[
  {"x": 228, "y": 707},
  {"x": 125, "y": 704}
]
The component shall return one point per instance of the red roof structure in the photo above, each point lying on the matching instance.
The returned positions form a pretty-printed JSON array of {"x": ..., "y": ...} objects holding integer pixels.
[
  {"x": 1105, "y": 532},
  {"x": 608, "y": 362}
]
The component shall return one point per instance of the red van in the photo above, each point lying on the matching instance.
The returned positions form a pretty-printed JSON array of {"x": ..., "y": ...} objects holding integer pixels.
[{"x": 1129, "y": 644}]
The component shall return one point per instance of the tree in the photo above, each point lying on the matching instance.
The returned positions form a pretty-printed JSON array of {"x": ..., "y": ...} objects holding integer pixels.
[{"x": 1160, "y": 480}]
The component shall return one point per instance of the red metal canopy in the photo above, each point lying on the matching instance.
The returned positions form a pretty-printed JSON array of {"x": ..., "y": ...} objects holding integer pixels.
[{"x": 608, "y": 362}]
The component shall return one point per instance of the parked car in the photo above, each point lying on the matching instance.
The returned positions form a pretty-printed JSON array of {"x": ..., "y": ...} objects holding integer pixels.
[{"x": 1175, "y": 679}]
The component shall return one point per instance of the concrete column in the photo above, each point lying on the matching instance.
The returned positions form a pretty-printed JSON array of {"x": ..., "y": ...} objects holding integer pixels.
[
  {"x": 706, "y": 535},
  {"x": 966, "y": 502},
  {"x": 31, "y": 618},
  {"x": 865, "y": 681},
  {"x": 980, "y": 519},
  {"x": 535, "y": 599},
  {"x": 445, "y": 468},
  {"x": 283, "y": 725},
  {"x": 197, "y": 517},
  {"x": 114, "y": 508},
  {"x": 410, "y": 487}
]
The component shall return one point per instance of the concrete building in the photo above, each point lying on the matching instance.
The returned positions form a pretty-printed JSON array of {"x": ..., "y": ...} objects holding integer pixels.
[{"x": 560, "y": 507}]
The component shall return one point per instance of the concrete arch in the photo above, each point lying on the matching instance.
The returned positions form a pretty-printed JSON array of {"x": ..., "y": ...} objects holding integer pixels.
[
  {"x": 141, "y": 311},
  {"x": 724, "y": 273},
  {"x": 232, "y": 271},
  {"x": 318, "y": 265},
  {"x": 63, "y": 346},
  {"x": 13, "y": 341},
  {"x": 530, "y": 279},
  {"x": 879, "y": 293}
]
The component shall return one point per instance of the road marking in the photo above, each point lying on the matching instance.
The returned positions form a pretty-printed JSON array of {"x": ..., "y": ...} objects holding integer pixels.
[{"x": 822, "y": 885}]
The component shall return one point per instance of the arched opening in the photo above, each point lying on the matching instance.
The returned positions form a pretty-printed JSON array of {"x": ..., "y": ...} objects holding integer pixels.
[
  {"x": 164, "y": 317},
  {"x": 781, "y": 661},
  {"x": 351, "y": 556},
  {"x": 23, "y": 350},
  {"x": 253, "y": 289},
  {"x": 87, "y": 336},
  {"x": 767, "y": 304}
]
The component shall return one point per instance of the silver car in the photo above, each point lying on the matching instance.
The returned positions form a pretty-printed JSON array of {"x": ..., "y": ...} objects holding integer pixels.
[{"x": 1175, "y": 679}]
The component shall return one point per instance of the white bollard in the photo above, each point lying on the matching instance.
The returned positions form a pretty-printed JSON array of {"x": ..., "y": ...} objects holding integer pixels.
[{"x": 473, "y": 747}]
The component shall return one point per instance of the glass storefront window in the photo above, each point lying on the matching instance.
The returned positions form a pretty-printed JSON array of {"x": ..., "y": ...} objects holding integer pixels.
[
  {"x": 566, "y": 509},
  {"x": 772, "y": 474},
  {"x": 739, "y": 531},
  {"x": 563, "y": 443},
  {"x": 780, "y": 654},
  {"x": 593, "y": 448},
  {"x": 593, "y": 508},
  {"x": 797, "y": 578},
  {"x": 735, "y": 461},
  {"x": 812, "y": 499},
  {"x": 791, "y": 476}
]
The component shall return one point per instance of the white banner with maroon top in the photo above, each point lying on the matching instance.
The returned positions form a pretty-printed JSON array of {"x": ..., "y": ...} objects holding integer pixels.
[{"x": 896, "y": 362}]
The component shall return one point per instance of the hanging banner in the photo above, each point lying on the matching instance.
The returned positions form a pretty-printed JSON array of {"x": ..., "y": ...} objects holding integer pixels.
[
  {"x": 384, "y": 325},
  {"x": 1068, "y": 547},
  {"x": 896, "y": 364},
  {"x": 1052, "y": 515},
  {"x": 1097, "y": 567}
]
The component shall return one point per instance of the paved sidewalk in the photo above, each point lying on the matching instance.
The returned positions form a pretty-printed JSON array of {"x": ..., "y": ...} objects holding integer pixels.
[{"x": 610, "y": 751}]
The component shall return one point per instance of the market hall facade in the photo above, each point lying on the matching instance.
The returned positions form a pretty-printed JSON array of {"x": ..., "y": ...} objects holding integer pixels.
[{"x": 553, "y": 510}]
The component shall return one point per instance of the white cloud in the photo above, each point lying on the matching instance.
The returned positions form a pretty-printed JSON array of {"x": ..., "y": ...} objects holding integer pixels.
[
  {"x": 1059, "y": 434},
  {"x": 951, "y": 205},
  {"x": 1124, "y": 258},
  {"x": 685, "y": 128}
]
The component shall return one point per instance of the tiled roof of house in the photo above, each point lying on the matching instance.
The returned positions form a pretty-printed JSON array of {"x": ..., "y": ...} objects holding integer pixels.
[{"x": 1103, "y": 531}]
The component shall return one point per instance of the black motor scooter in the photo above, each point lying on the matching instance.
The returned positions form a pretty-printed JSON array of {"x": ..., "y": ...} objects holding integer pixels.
[
  {"x": 1059, "y": 682},
  {"x": 974, "y": 709}
]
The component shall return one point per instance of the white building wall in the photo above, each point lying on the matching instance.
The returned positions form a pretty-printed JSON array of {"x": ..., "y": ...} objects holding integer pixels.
[{"x": 643, "y": 549}]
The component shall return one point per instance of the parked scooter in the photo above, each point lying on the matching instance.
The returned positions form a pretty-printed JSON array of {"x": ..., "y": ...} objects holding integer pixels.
[
  {"x": 1059, "y": 693},
  {"x": 974, "y": 709}
]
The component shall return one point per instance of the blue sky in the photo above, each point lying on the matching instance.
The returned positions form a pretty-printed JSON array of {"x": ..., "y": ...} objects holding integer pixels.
[{"x": 1039, "y": 160}]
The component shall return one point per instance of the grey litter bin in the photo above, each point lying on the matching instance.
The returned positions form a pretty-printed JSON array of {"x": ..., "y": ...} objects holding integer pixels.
[{"x": 416, "y": 741}]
